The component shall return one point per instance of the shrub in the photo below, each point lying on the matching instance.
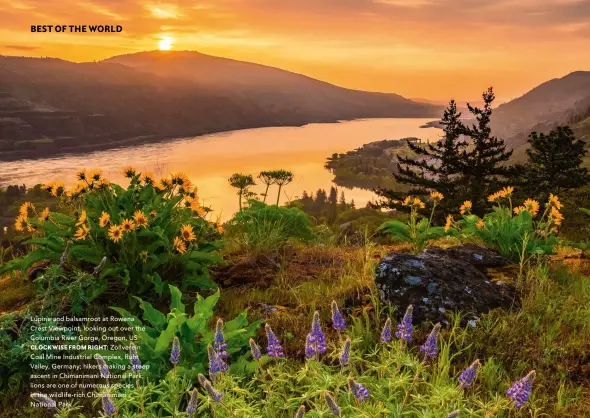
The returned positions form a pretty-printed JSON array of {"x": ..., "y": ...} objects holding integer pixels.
[
  {"x": 262, "y": 228},
  {"x": 515, "y": 231},
  {"x": 146, "y": 235}
]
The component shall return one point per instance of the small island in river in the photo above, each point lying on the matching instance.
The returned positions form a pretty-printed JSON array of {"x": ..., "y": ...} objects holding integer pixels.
[{"x": 371, "y": 166}]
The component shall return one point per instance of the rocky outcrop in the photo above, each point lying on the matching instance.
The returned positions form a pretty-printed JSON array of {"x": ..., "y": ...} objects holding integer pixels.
[{"x": 438, "y": 281}]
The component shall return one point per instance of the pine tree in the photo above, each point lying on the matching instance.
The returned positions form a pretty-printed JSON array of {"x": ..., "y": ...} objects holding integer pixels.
[
  {"x": 554, "y": 163},
  {"x": 481, "y": 164},
  {"x": 437, "y": 167}
]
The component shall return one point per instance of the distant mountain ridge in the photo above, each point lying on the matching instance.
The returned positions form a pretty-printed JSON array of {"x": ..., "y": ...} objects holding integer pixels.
[{"x": 50, "y": 106}]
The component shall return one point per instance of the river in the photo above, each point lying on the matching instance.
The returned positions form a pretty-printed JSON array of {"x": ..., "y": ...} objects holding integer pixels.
[{"x": 210, "y": 160}]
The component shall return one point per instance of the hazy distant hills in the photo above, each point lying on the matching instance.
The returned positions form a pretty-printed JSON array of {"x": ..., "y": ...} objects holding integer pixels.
[
  {"x": 50, "y": 106},
  {"x": 559, "y": 101}
]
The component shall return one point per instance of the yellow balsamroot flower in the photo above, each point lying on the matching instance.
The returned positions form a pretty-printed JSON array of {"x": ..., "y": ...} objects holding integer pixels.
[
  {"x": 179, "y": 245},
  {"x": 82, "y": 232},
  {"x": 518, "y": 209},
  {"x": 449, "y": 223},
  {"x": 436, "y": 196},
  {"x": 181, "y": 179},
  {"x": 495, "y": 196},
  {"x": 507, "y": 191},
  {"x": 532, "y": 206},
  {"x": 82, "y": 175},
  {"x": 186, "y": 232},
  {"x": 115, "y": 233},
  {"x": 127, "y": 225},
  {"x": 418, "y": 203},
  {"x": 556, "y": 216},
  {"x": 58, "y": 188},
  {"x": 147, "y": 177},
  {"x": 153, "y": 213},
  {"x": 48, "y": 187},
  {"x": 24, "y": 208},
  {"x": 218, "y": 226},
  {"x": 143, "y": 256},
  {"x": 95, "y": 174},
  {"x": 44, "y": 215},
  {"x": 480, "y": 224},
  {"x": 82, "y": 219},
  {"x": 21, "y": 223},
  {"x": 104, "y": 219},
  {"x": 554, "y": 201},
  {"x": 129, "y": 172},
  {"x": 407, "y": 201},
  {"x": 140, "y": 219},
  {"x": 465, "y": 207}
]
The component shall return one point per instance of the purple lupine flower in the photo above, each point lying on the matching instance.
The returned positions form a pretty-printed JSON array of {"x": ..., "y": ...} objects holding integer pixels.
[
  {"x": 386, "y": 333},
  {"x": 454, "y": 414},
  {"x": 202, "y": 379},
  {"x": 108, "y": 406},
  {"x": 332, "y": 405},
  {"x": 175, "y": 353},
  {"x": 404, "y": 328},
  {"x": 102, "y": 366},
  {"x": 274, "y": 348},
  {"x": 429, "y": 348},
  {"x": 300, "y": 412},
  {"x": 192, "y": 403},
  {"x": 256, "y": 354},
  {"x": 319, "y": 340},
  {"x": 44, "y": 400},
  {"x": 213, "y": 394},
  {"x": 468, "y": 375},
  {"x": 219, "y": 341},
  {"x": 216, "y": 363},
  {"x": 309, "y": 346},
  {"x": 338, "y": 322},
  {"x": 345, "y": 354},
  {"x": 134, "y": 358},
  {"x": 520, "y": 391},
  {"x": 360, "y": 392}
]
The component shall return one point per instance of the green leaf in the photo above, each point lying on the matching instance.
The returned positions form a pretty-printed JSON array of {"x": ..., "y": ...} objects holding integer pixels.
[
  {"x": 176, "y": 296},
  {"x": 205, "y": 307},
  {"x": 150, "y": 314},
  {"x": 165, "y": 339}
]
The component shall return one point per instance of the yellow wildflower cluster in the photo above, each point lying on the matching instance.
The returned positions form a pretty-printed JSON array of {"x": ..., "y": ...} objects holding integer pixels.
[
  {"x": 22, "y": 222},
  {"x": 502, "y": 194},
  {"x": 83, "y": 227}
]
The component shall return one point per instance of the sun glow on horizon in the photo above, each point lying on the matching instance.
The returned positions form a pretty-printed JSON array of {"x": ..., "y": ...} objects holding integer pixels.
[{"x": 165, "y": 44}]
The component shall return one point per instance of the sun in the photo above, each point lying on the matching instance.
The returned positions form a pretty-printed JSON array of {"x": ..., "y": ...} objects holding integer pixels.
[{"x": 165, "y": 44}]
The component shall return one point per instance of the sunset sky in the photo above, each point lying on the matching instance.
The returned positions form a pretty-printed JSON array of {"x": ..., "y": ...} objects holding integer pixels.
[{"x": 434, "y": 49}]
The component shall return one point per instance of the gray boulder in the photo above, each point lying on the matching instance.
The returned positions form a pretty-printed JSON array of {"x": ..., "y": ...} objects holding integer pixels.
[{"x": 438, "y": 281}]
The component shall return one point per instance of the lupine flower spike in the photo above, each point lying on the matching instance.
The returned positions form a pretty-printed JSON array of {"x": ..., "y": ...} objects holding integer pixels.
[
  {"x": 219, "y": 341},
  {"x": 202, "y": 379},
  {"x": 404, "y": 328},
  {"x": 454, "y": 414},
  {"x": 134, "y": 358},
  {"x": 43, "y": 400},
  {"x": 429, "y": 348},
  {"x": 256, "y": 354},
  {"x": 319, "y": 340},
  {"x": 360, "y": 392},
  {"x": 108, "y": 406},
  {"x": 213, "y": 394},
  {"x": 468, "y": 375},
  {"x": 175, "y": 353},
  {"x": 338, "y": 322},
  {"x": 309, "y": 347},
  {"x": 332, "y": 405},
  {"x": 386, "y": 333},
  {"x": 300, "y": 412},
  {"x": 345, "y": 355},
  {"x": 192, "y": 403},
  {"x": 520, "y": 391},
  {"x": 102, "y": 366},
  {"x": 274, "y": 348},
  {"x": 216, "y": 363}
]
